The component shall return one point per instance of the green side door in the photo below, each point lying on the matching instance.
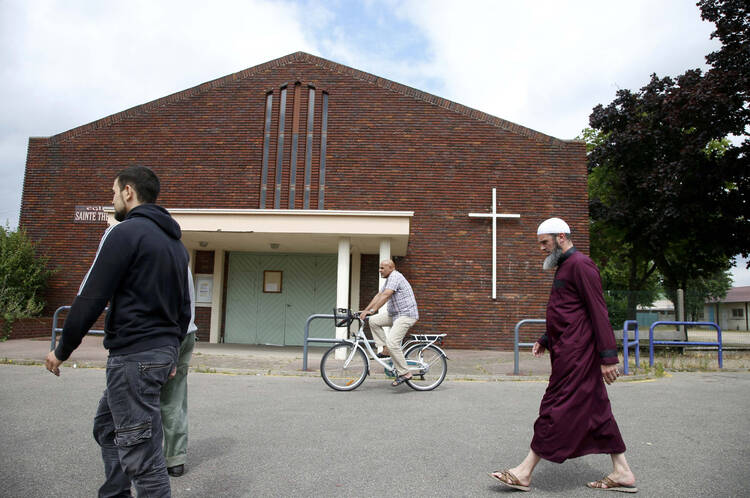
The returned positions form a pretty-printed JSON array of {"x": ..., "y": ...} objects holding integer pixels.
[
  {"x": 312, "y": 290},
  {"x": 241, "y": 320},
  {"x": 308, "y": 286}
]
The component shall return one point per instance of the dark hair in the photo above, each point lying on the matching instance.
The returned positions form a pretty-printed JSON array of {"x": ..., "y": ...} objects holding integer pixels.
[{"x": 142, "y": 180}]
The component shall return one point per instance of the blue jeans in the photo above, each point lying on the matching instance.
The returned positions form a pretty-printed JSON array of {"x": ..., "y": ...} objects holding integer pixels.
[{"x": 127, "y": 425}]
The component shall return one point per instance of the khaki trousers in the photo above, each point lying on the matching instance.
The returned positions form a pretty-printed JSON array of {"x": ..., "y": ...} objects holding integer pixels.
[
  {"x": 174, "y": 407},
  {"x": 399, "y": 327}
]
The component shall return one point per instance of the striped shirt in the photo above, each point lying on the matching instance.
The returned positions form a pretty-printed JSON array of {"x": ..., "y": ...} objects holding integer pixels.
[{"x": 402, "y": 302}]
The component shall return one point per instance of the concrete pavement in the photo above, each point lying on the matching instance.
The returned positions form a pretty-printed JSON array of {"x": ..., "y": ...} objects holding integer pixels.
[
  {"x": 258, "y": 436},
  {"x": 463, "y": 364}
]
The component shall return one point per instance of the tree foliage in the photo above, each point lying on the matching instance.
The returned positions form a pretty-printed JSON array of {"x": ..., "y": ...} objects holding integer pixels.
[
  {"x": 730, "y": 65},
  {"x": 23, "y": 277},
  {"x": 668, "y": 191},
  {"x": 628, "y": 275}
]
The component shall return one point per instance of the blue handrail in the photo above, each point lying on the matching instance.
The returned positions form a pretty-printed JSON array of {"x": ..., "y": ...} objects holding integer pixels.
[
  {"x": 652, "y": 342},
  {"x": 626, "y": 344}
]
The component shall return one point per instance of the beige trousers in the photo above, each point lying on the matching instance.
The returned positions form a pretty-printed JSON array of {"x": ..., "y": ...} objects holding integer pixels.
[{"x": 399, "y": 327}]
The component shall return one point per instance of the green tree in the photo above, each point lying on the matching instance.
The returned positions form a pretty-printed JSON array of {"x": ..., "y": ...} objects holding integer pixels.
[
  {"x": 629, "y": 275},
  {"x": 730, "y": 65},
  {"x": 23, "y": 277},
  {"x": 664, "y": 179}
]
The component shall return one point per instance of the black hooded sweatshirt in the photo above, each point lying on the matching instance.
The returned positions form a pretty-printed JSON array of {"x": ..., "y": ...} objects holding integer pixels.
[{"x": 141, "y": 268}]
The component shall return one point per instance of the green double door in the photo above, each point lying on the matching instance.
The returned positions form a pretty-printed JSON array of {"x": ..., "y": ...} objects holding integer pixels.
[{"x": 308, "y": 286}]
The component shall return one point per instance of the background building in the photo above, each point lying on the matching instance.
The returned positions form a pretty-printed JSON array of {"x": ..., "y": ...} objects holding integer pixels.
[
  {"x": 293, "y": 179},
  {"x": 730, "y": 313},
  {"x": 660, "y": 310}
]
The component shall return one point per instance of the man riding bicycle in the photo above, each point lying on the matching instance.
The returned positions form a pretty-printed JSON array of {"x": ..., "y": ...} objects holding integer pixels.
[{"x": 402, "y": 315}]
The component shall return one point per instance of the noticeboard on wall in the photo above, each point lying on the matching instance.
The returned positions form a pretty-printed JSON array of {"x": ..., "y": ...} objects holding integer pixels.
[
  {"x": 272, "y": 280},
  {"x": 204, "y": 288}
]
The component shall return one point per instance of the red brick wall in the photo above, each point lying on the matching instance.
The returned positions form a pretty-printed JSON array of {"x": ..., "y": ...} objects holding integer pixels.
[
  {"x": 388, "y": 148},
  {"x": 30, "y": 327},
  {"x": 203, "y": 321},
  {"x": 42, "y": 326},
  {"x": 204, "y": 262},
  {"x": 368, "y": 284}
]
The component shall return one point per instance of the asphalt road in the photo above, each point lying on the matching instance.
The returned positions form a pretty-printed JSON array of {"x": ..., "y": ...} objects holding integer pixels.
[{"x": 687, "y": 435}]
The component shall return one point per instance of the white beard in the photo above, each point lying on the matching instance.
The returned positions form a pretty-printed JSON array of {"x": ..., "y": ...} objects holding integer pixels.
[{"x": 550, "y": 262}]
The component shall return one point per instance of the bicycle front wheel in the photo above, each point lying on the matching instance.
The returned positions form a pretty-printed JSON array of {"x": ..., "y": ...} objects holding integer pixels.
[
  {"x": 428, "y": 367},
  {"x": 344, "y": 367}
]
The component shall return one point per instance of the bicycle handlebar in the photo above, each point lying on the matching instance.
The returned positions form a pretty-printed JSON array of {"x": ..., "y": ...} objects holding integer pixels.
[{"x": 344, "y": 317}]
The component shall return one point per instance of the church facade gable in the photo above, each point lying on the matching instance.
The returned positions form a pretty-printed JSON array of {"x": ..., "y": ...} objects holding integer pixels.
[{"x": 302, "y": 156}]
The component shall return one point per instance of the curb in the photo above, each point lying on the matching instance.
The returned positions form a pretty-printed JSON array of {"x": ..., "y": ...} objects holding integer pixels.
[{"x": 207, "y": 369}]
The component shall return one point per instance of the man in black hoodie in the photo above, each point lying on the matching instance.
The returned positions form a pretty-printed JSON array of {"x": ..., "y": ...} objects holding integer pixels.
[{"x": 141, "y": 269}]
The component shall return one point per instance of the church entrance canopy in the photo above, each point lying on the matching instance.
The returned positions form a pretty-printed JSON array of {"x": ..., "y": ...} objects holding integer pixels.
[
  {"x": 276, "y": 236},
  {"x": 289, "y": 230}
]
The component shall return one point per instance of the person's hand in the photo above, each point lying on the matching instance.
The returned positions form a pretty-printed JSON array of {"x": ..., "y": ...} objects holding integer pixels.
[
  {"x": 610, "y": 373},
  {"x": 363, "y": 315},
  {"x": 52, "y": 363},
  {"x": 538, "y": 349},
  {"x": 173, "y": 372}
]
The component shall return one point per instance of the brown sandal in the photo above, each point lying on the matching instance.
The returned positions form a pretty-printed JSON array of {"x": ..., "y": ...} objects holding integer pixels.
[
  {"x": 506, "y": 477},
  {"x": 607, "y": 484},
  {"x": 400, "y": 380}
]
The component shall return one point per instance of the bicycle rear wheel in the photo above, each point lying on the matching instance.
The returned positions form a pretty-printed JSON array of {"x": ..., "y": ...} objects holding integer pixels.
[
  {"x": 343, "y": 369},
  {"x": 428, "y": 367}
]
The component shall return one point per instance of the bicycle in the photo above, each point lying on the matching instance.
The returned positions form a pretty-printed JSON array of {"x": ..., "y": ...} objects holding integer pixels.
[{"x": 346, "y": 365}]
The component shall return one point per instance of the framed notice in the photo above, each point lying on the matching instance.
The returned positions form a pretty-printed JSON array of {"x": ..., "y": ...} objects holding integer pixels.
[
  {"x": 204, "y": 286},
  {"x": 272, "y": 281}
]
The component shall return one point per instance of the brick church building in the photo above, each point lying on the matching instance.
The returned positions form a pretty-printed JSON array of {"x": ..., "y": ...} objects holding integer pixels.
[{"x": 291, "y": 180}]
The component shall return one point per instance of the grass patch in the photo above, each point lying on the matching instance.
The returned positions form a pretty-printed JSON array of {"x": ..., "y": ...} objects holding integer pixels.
[
  {"x": 673, "y": 360},
  {"x": 11, "y": 361},
  {"x": 482, "y": 370}
]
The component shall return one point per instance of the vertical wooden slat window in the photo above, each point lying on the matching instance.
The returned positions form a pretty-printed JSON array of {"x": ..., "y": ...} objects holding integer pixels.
[
  {"x": 280, "y": 149},
  {"x": 308, "y": 145},
  {"x": 323, "y": 139},
  {"x": 266, "y": 145},
  {"x": 295, "y": 144}
]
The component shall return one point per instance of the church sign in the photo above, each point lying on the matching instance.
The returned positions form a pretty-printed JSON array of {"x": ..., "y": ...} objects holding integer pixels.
[{"x": 90, "y": 214}]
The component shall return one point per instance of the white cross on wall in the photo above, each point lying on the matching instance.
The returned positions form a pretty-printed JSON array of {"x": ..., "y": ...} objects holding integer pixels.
[{"x": 494, "y": 215}]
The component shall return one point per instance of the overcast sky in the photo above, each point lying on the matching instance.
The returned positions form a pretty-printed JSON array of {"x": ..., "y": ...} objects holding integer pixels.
[{"x": 541, "y": 64}]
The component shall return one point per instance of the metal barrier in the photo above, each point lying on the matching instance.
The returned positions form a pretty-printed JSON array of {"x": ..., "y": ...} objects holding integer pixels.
[
  {"x": 652, "y": 342},
  {"x": 56, "y": 329},
  {"x": 314, "y": 339},
  {"x": 516, "y": 344},
  {"x": 626, "y": 344}
]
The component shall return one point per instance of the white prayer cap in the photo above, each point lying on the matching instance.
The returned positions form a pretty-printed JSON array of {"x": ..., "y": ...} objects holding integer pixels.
[{"x": 554, "y": 226}]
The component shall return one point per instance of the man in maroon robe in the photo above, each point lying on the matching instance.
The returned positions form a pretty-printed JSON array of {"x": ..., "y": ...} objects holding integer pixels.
[{"x": 575, "y": 417}]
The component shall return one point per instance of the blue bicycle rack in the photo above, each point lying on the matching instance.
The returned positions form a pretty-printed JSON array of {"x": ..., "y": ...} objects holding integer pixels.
[
  {"x": 626, "y": 344},
  {"x": 652, "y": 342}
]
